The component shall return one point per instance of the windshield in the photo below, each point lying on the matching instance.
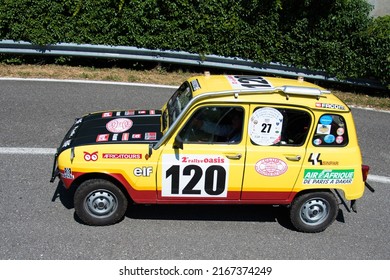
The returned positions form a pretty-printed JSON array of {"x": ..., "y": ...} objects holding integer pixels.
[{"x": 178, "y": 101}]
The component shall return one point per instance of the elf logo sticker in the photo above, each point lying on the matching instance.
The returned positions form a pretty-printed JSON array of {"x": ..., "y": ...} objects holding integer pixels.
[
  {"x": 314, "y": 158},
  {"x": 143, "y": 171},
  {"x": 91, "y": 157}
]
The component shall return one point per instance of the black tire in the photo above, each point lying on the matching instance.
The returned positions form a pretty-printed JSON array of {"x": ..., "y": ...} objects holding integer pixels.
[
  {"x": 314, "y": 212},
  {"x": 99, "y": 202}
]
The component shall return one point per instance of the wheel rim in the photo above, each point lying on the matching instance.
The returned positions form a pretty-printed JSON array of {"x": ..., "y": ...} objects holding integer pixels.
[
  {"x": 314, "y": 211},
  {"x": 101, "y": 203}
]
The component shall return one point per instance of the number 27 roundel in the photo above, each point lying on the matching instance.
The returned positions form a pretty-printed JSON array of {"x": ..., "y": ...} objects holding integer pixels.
[{"x": 194, "y": 176}]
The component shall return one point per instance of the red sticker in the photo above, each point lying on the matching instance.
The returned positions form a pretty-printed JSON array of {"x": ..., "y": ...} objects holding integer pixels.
[
  {"x": 91, "y": 156},
  {"x": 102, "y": 137},
  {"x": 107, "y": 115},
  {"x": 125, "y": 136}
]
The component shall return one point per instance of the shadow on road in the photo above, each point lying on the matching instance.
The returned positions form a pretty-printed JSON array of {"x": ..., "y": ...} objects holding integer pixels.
[{"x": 239, "y": 213}]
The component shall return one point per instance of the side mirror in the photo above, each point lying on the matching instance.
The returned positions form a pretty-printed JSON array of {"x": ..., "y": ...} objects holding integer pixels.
[{"x": 178, "y": 144}]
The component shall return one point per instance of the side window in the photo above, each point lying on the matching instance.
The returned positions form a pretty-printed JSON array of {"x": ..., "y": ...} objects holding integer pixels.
[
  {"x": 331, "y": 130},
  {"x": 278, "y": 126},
  {"x": 214, "y": 124}
]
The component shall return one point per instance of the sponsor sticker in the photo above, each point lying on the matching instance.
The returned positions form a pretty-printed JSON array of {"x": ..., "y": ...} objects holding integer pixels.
[
  {"x": 314, "y": 158},
  {"x": 129, "y": 113},
  {"x": 340, "y": 131},
  {"x": 265, "y": 126},
  {"x": 339, "y": 139},
  {"x": 330, "y": 106},
  {"x": 107, "y": 115},
  {"x": 91, "y": 156},
  {"x": 102, "y": 137},
  {"x": 271, "y": 167},
  {"x": 143, "y": 171},
  {"x": 317, "y": 141},
  {"x": 150, "y": 136},
  {"x": 195, "y": 85},
  {"x": 67, "y": 174},
  {"x": 328, "y": 176},
  {"x": 119, "y": 125},
  {"x": 329, "y": 139},
  {"x": 125, "y": 136},
  {"x": 121, "y": 156},
  {"x": 326, "y": 119},
  {"x": 323, "y": 129}
]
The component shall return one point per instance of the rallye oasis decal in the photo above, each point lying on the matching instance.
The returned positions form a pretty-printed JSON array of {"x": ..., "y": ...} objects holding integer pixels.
[{"x": 194, "y": 176}]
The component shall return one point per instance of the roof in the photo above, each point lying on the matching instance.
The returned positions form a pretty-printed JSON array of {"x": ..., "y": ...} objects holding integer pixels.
[{"x": 267, "y": 89}]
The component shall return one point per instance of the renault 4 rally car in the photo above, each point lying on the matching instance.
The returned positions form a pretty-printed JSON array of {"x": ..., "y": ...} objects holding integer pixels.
[{"x": 220, "y": 139}]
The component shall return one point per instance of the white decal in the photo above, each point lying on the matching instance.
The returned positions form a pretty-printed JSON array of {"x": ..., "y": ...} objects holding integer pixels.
[
  {"x": 194, "y": 176},
  {"x": 323, "y": 128},
  {"x": 265, "y": 126},
  {"x": 119, "y": 125},
  {"x": 271, "y": 167}
]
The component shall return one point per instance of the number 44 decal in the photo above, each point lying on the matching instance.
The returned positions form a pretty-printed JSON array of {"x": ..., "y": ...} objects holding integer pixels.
[{"x": 196, "y": 176}]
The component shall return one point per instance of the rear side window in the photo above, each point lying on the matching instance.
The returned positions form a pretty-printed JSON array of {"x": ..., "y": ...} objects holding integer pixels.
[
  {"x": 331, "y": 130},
  {"x": 278, "y": 126}
]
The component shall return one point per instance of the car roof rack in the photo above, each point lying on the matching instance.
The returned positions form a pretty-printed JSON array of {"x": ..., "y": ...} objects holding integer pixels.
[{"x": 303, "y": 91}]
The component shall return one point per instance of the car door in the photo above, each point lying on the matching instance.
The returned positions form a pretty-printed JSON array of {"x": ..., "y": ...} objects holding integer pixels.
[
  {"x": 209, "y": 166},
  {"x": 276, "y": 147}
]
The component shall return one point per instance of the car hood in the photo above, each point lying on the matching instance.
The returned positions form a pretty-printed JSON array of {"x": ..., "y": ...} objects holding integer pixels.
[{"x": 131, "y": 126}]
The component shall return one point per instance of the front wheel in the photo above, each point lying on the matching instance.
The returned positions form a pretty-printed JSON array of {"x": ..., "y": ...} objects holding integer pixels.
[
  {"x": 99, "y": 202},
  {"x": 314, "y": 212}
]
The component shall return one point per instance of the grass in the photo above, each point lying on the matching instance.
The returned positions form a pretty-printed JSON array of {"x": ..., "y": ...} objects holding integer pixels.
[{"x": 159, "y": 75}]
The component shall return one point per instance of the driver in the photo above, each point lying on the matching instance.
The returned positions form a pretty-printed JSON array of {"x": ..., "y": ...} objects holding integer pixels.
[{"x": 232, "y": 131}]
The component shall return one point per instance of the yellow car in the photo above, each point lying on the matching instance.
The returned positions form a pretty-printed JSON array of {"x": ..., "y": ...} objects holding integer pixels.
[{"x": 220, "y": 139}]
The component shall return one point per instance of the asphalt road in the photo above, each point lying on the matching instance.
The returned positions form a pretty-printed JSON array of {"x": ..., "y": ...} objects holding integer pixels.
[{"x": 38, "y": 224}]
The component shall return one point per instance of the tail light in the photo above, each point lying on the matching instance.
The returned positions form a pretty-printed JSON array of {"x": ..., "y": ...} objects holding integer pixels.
[{"x": 365, "y": 170}]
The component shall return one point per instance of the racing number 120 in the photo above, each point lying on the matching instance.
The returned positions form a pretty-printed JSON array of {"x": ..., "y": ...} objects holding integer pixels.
[{"x": 214, "y": 179}]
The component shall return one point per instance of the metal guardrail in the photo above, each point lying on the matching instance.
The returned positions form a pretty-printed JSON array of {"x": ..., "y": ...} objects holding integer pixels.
[{"x": 172, "y": 57}]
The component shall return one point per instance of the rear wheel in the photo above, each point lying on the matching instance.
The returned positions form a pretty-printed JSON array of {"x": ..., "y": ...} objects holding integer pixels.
[
  {"x": 99, "y": 202},
  {"x": 314, "y": 211}
]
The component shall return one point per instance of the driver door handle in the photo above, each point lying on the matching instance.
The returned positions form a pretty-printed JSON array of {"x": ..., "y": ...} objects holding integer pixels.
[{"x": 236, "y": 156}]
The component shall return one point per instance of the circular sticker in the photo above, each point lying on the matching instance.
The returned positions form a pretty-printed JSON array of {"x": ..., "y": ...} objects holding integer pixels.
[
  {"x": 119, "y": 125},
  {"x": 340, "y": 131},
  {"x": 326, "y": 120},
  {"x": 339, "y": 139},
  {"x": 329, "y": 138},
  {"x": 271, "y": 167},
  {"x": 265, "y": 126},
  {"x": 317, "y": 142}
]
